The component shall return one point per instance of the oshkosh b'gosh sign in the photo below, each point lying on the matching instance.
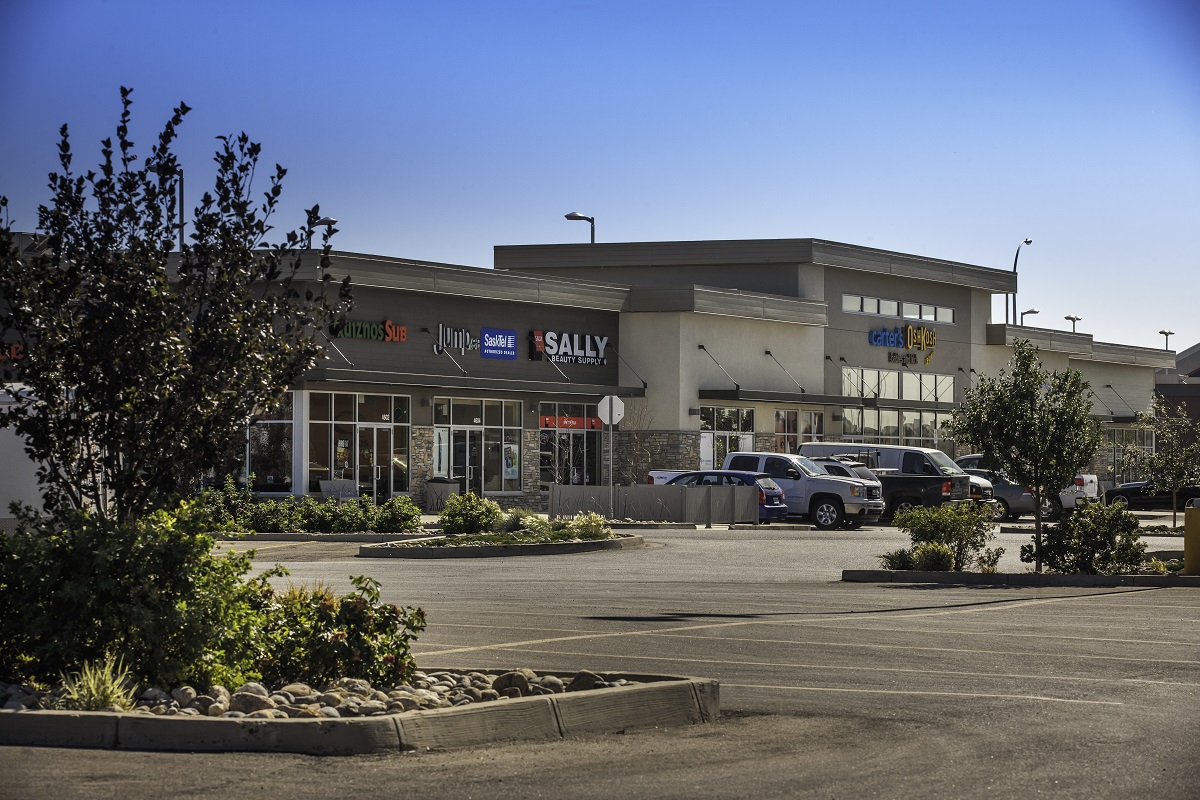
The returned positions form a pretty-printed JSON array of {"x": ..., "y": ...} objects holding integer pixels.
[
  {"x": 908, "y": 337},
  {"x": 568, "y": 348}
]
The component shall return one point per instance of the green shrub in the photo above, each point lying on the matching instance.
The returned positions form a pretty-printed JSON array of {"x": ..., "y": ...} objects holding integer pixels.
[
  {"x": 98, "y": 686},
  {"x": 75, "y": 589},
  {"x": 989, "y": 559},
  {"x": 153, "y": 595},
  {"x": 964, "y": 528},
  {"x": 933, "y": 557},
  {"x": 398, "y": 515},
  {"x": 897, "y": 559},
  {"x": 235, "y": 509},
  {"x": 1095, "y": 540},
  {"x": 316, "y": 637},
  {"x": 468, "y": 513},
  {"x": 589, "y": 525},
  {"x": 515, "y": 520}
]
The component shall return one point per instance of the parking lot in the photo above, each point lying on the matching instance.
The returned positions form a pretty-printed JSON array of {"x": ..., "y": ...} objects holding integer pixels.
[{"x": 828, "y": 689}]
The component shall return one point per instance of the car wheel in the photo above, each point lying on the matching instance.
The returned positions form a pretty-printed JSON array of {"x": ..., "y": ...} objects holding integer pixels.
[
  {"x": 1000, "y": 511},
  {"x": 1051, "y": 509},
  {"x": 1120, "y": 501},
  {"x": 827, "y": 514},
  {"x": 903, "y": 505}
]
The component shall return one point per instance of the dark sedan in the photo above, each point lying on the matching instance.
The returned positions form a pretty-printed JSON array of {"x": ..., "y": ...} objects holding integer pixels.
[
  {"x": 771, "y": 503},
  {"x": 1135, "y": 494}
]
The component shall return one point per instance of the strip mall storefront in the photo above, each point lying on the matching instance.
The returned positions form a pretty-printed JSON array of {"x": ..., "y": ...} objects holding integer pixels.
[{"x": 443, "y": 372}]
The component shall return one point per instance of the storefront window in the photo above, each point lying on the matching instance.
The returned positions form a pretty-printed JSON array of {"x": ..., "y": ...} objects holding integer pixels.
[
  {"x": 478, "y": 442},
  {"x": 269, "y": 461},
  {"x": 570, "y": 444},
  {"x": 724, "y": 430},
  {"x": 362, "y": 438},
  {"x": 1118, "y": 441}
]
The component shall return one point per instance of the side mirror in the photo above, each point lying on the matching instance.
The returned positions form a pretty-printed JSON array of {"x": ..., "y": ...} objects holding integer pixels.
[{"x": 793, "y": 474}]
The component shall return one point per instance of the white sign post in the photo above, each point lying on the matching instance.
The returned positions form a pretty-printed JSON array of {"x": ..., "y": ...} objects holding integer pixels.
[{"x": 612, "y": 411}]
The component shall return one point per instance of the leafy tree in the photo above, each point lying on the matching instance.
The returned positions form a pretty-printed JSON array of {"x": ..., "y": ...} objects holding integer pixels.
[
  {"x": 1175, "y": 462},
  {"x": 143, "y": 367},
  {"x": 1036, "y": 425}
]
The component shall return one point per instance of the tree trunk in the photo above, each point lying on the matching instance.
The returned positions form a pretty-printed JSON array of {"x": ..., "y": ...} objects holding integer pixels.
[{"x": 1037, "y": 530}]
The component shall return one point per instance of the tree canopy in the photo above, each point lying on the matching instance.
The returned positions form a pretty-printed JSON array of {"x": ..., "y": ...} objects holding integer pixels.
[
  {"x": 1035, "y": 425},
  {"x": 1175, "y": 461},
  {"x": 142, "y": 367}
]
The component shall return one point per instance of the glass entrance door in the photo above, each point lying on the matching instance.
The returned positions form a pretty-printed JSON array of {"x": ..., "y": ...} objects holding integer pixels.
[
  {"x": 466, "y": 458},
  {"x": 374, "y": 462}
]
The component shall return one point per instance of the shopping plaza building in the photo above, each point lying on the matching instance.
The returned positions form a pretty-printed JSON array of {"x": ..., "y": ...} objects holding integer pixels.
[{"x": 492, "y": 378}]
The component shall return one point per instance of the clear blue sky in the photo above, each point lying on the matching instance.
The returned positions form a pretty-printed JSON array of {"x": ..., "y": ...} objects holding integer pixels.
[{"x": 435, "y": 130}]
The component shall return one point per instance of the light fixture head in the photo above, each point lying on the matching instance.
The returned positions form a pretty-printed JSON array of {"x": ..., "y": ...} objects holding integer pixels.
[
  {"x": 325, "y": 221},
  {"x": 577, "y": 215},
  {"x": 1031, "y": 311},
  {"x": 1072, "y": 318},
  {"x": 1165, "y": 332},
  {"x": 1028, "y": 241}
]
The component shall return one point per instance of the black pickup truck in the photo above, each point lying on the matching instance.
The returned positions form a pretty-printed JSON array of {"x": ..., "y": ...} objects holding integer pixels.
[
  {"x": 911, "y": 476},
  {"x": 902, "y": 491}
]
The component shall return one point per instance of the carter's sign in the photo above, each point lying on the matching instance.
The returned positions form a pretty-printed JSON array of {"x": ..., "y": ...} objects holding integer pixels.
[
  {"x": 498, "y": 344},
  {"x": 568, "y": 348},
  {"x": 908, "y": 337}
]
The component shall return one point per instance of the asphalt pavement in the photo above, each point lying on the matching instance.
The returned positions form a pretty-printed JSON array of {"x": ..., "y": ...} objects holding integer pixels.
[{"x": 827, "y": 689}]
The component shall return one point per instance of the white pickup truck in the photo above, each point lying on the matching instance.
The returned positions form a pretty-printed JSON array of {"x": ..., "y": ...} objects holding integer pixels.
[{"x": 830, "y": 502}]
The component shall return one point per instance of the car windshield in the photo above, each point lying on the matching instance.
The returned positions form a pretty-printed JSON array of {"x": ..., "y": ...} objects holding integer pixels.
[
  {"x": 808, "y": 467},
  {"x": 944, "y": 463}
]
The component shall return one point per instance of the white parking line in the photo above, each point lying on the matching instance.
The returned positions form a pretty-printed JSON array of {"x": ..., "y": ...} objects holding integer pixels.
[{"x": 973, "y": 695}]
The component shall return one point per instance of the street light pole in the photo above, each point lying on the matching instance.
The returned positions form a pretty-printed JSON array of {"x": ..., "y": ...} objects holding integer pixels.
[
  {"x": 1167, "y": 338},
  {"x": 1073, "y": 319},
  {"x": 1030, "y": 311},
  {"x": 1014, "y": 294},
  {"x": 575, "y": 215}
]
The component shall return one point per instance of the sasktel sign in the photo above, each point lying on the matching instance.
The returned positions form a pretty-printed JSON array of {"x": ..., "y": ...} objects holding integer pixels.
[{"x": 908, "y": 337}]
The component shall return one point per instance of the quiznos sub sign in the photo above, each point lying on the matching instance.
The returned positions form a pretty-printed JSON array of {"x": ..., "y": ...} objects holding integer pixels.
[
  {"x": 568, "y": 348},
  {"x": 386, "y": 331},
  {"x": 908, "y": 337}
]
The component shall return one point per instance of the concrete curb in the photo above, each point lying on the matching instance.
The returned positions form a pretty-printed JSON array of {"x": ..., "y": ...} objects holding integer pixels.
[
  {"x": 251, "y": 538},
  {"x": 499, "y": 550},
  {"x": 658, "y": 701},
  {"x": 1014, "y": 578}
]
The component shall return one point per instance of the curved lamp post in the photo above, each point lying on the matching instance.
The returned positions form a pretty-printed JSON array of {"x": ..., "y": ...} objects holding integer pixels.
[
  {"x": 1014, "y": 295},
  {"x": 575, "y": 215},
  {"x": 1030, "y": 311},
  {"x": 323, "y": 222}
]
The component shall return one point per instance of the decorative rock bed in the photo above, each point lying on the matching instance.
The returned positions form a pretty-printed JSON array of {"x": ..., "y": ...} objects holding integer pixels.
[{"x": 346, "y": 697}]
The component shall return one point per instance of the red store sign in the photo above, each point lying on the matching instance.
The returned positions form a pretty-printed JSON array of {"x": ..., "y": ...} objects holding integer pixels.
[{"x": 580, "y": 423}]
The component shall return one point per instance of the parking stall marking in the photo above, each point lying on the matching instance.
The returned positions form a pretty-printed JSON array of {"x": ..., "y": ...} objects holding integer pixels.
[{"x": 717, "y": 662}]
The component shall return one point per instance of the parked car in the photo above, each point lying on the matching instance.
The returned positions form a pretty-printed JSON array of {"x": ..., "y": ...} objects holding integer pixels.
[
  {"x": 830, "y": 502},
  {"x": 1135, "y": 495},
  {"x": 1012, "y": 499},
  {"x": 772, "y": 503},
  {"x": 1085, "y": 489}
]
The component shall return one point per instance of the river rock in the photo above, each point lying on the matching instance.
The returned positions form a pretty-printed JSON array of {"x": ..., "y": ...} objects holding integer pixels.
[{"x": 249, "y": 702}]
